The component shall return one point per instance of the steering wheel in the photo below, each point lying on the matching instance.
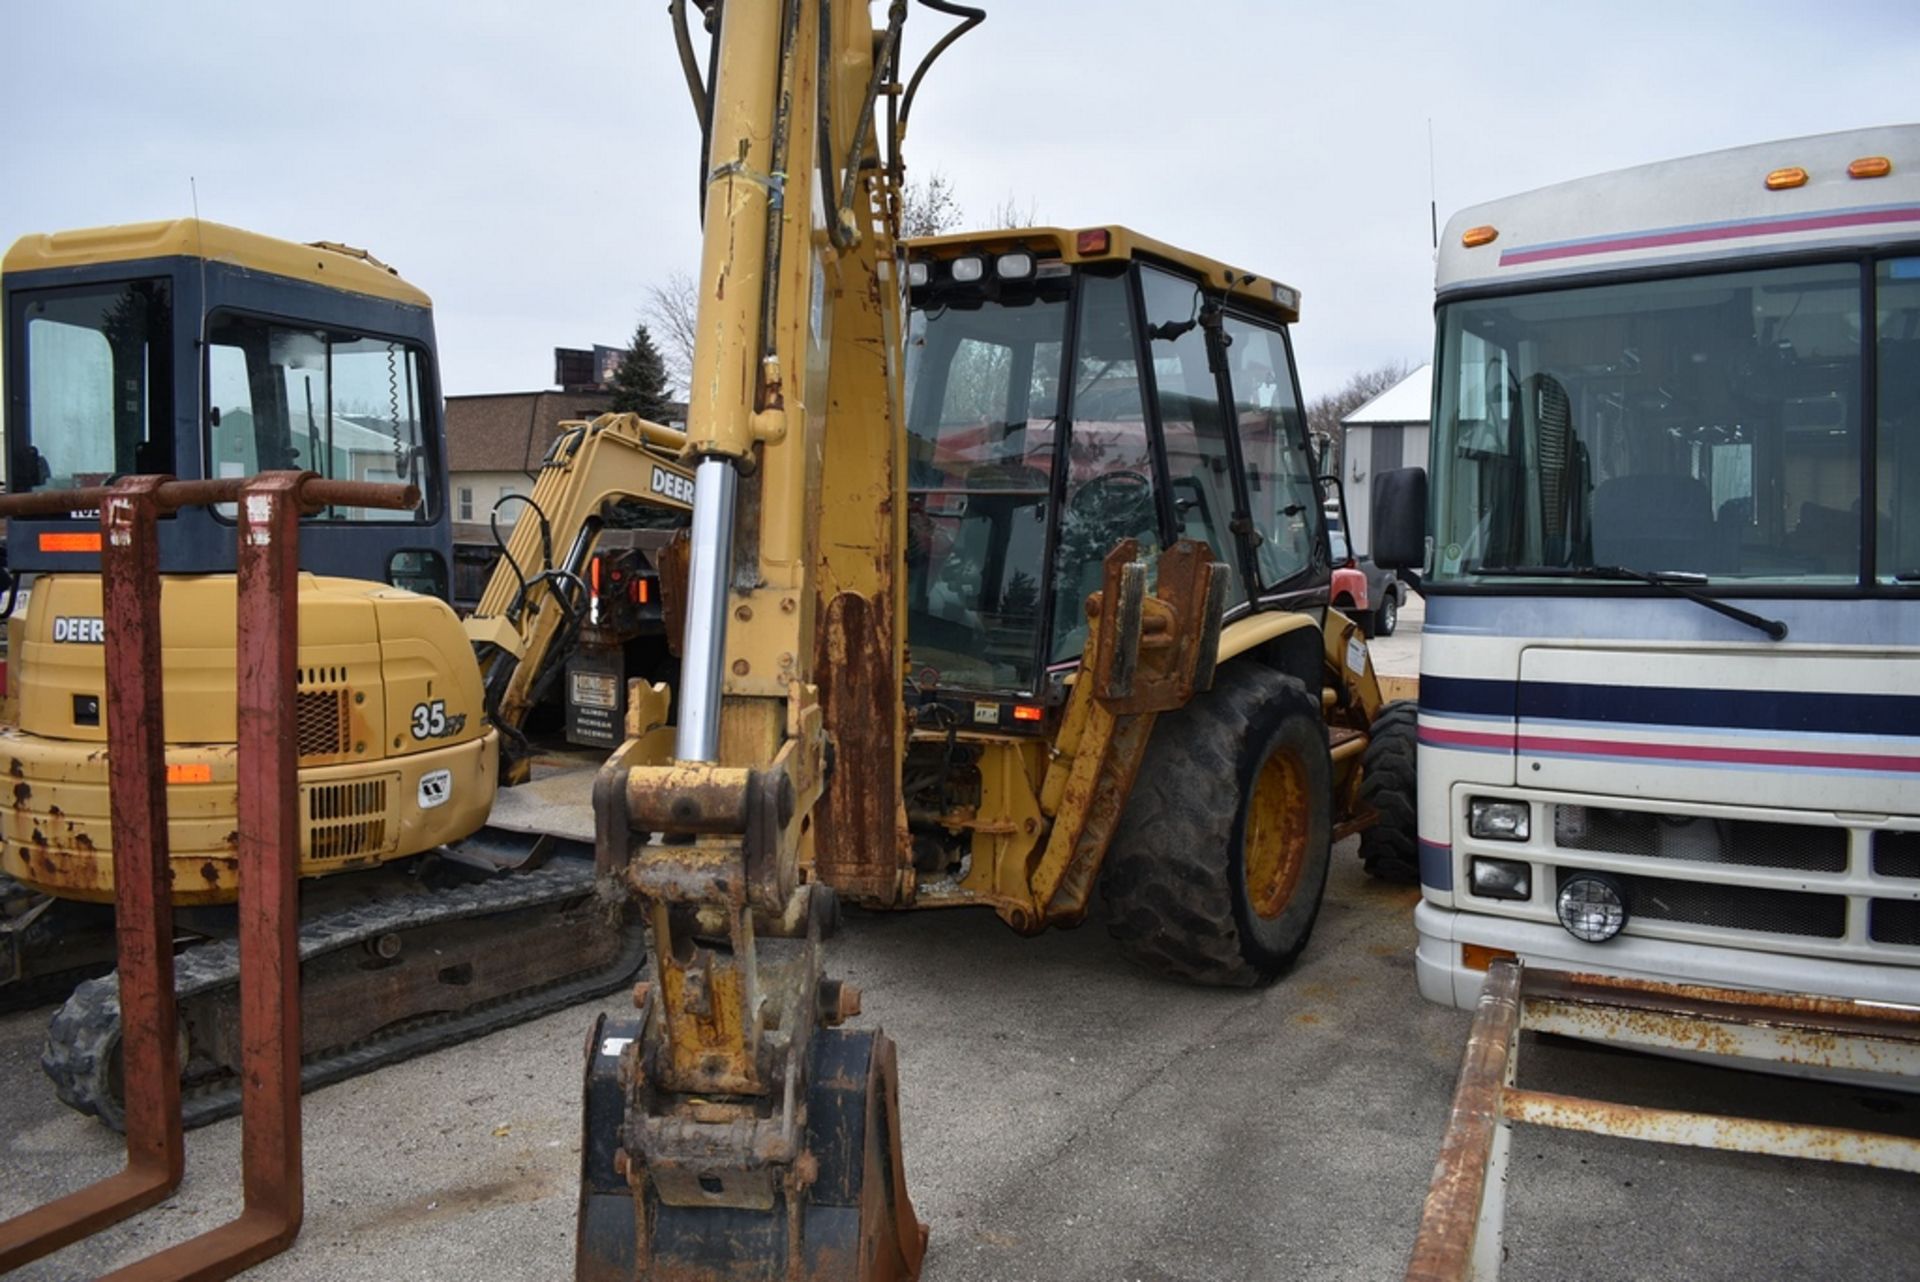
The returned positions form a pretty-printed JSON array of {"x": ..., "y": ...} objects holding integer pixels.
[{"x": 1132, "y": 487}]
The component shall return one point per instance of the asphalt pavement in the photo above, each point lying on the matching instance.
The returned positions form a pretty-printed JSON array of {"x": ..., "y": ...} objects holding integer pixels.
[{"x": 1066, "y": 1116}]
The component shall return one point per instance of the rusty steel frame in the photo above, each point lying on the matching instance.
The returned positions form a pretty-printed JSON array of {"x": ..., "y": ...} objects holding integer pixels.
[
  {"x": 268, "y": 637},
  {"x": 1461, "y": 1224}
]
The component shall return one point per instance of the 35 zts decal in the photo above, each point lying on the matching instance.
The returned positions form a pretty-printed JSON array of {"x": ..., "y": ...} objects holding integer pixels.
[{"x": 430, "y": 720}]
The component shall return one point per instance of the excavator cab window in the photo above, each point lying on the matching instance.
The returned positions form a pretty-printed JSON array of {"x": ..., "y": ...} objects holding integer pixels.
[
  {"x": 99, "y": 379},
  {"x": 345, "y": 405}
]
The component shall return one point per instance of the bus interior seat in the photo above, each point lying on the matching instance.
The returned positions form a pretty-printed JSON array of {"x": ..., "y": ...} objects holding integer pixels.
[{"x": 1655, "y": 521}]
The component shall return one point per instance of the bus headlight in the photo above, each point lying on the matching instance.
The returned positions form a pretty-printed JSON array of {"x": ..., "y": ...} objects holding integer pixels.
[
  {"x": 1501, "y": 878},
  {"x": 1592, "y": 907},
  {"x": 1497, "y": 820}
]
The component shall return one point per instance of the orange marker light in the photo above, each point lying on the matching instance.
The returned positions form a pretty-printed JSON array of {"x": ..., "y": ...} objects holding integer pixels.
[
  {"x": 190, "y": 773},
  {"x": 646, "y": 592},
  {"x": 1870, "y": 167},
  {"x": 1782, "y": 179},
  {"x": 1096, "y": 241},
  {"x": 89, "y": 542},
  {"x": 1479, "y": 956},
  {"x": 1474, "y": 237},
  {"x": 1026, "y": 712}
]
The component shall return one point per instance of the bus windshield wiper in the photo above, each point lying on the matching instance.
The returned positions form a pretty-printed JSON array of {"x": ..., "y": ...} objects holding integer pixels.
[{"x": 1679, "y": 582}]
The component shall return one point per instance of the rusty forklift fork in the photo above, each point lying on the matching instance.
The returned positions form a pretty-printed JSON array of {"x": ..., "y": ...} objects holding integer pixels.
[
  {"x": 268, "y": 571},
  {"x": 1460, "y": 1227}
]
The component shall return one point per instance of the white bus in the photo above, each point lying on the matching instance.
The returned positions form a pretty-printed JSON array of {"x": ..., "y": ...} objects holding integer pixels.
[{"x": 1669, "y": 719}]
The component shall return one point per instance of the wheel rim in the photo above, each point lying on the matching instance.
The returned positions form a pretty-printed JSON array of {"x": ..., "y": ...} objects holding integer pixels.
[{"x": 1276, "y": 838}]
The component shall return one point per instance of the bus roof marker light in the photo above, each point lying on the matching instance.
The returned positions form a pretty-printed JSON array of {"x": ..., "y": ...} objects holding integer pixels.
[
  {"x": 1786, "y": 179},
  {"x": 1096, "y": 240},
  {"x": 1870, "y": 167},
  {"x": 1474, "y": 237}
]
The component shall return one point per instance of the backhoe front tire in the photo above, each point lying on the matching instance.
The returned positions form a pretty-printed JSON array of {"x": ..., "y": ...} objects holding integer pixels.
[
  {"x": 1390, "y": 849},
  {"x": 1217, "y": 869}
]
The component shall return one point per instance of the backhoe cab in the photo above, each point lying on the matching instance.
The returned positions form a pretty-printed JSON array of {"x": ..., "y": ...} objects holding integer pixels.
[{"x": 1070, "y": 393}]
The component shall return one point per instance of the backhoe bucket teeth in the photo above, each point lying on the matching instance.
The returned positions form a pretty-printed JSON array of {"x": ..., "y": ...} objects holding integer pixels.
[{"x": 852, "y": 1223}]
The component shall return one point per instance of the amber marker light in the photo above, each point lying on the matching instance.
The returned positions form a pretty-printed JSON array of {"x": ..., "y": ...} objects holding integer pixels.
[
  {"x": 88, "y": 542},
  {"x": 1474, "y": 237},
  {"x": 1094, "y": 241},
  {"x": 1026, "y": 712},
  {"x": 1870, "y": 167},
  {"x": 190, "y": 772},
  {"x": 1782, "y": 179},
  {"x": 1480, "y": 957}
]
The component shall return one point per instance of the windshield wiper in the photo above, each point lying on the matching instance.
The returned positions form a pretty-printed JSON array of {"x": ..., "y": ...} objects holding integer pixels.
[{"x": 1678, "y": 582}]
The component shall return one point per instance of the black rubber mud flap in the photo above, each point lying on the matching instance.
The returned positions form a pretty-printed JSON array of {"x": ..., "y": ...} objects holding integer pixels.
[{"x": 856, "y": 1222}]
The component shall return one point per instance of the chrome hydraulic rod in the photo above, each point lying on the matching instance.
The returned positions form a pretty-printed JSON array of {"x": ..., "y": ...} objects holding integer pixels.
[{"x": 697, "y": 738}]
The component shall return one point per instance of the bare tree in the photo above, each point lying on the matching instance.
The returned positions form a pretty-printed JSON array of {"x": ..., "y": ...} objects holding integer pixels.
[
  {"x": 1325, "y": 412},
  {"x": 674, "y": 310},
  {"x": 929, "y": 208},
  {"x": 1011, "y": 213}
]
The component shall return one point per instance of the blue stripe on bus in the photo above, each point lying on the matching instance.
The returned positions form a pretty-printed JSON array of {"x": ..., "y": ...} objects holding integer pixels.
[{"x": 1775, "y": 711}]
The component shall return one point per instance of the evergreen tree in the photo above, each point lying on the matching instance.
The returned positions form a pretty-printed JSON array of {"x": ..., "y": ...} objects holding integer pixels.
[{"x": 640, "y": 383}]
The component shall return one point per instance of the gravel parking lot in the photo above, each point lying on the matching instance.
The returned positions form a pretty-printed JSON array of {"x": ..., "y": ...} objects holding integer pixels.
[{"x": 1066, "y": 1117}]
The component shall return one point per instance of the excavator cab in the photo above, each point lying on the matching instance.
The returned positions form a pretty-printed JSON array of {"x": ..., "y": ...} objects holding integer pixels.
[{"x": 190, "y": 349}]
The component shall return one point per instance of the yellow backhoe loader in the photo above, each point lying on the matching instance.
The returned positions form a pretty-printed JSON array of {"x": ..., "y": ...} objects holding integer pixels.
[
  {"x": 1007, "y": 580},
  {"x": 199, "y": 350}
]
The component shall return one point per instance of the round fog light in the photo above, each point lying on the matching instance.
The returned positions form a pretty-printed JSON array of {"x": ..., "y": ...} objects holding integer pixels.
[{"x": 1592, "y": 907}]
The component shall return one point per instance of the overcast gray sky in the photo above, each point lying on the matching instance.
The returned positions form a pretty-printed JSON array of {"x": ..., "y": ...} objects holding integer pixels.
[{"x": 533, "y": 167}]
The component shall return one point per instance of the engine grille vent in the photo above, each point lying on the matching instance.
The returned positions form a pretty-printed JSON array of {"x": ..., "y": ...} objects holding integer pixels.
[
  {"x": 1896, "y": 854},
  {"x": 1750, "y": 843},
  {"x": 345, "y": 820},
  {"x": 1727, "y": 907},
  {"x": 324, "y": 728},
  {"x": 1894, "y": 921}
]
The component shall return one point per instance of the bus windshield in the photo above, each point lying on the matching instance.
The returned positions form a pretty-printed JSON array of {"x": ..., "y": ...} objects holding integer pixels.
[{"x": 1710, "y": 425}]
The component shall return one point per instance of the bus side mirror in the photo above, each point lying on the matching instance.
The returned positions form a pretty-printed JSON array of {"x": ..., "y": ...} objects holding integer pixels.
[{"x": 1400, "y": 519}]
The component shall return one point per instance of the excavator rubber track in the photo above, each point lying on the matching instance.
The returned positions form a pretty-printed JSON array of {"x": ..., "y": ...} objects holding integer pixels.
[
  {"x": 48, "y": 947},
  {"x": 554, "y": 902}
]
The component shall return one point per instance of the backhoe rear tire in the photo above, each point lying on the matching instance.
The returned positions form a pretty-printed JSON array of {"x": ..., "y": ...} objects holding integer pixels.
[
  {"x": 1390, "y": 849},
  {"x": 1220, "y": 860}
]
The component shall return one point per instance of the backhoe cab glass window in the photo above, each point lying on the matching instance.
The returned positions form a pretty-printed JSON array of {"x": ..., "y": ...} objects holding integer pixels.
[
  {"x": 1708, "y": 425},
  {"x": 99, "y": 378},
  {"x": 1110, "y": 461},
  {"x": 984, "y": 405},
  {"x": 346, "y": 406},
  {"x": 1280, "y": 487},
  {"x": 1199, "y": 468}
]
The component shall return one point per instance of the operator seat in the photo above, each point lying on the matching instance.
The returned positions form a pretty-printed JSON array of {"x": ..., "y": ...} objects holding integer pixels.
[{"x": 1654, "y": 521}]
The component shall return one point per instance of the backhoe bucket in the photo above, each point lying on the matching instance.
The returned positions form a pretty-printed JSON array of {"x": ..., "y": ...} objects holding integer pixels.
[{"x": 842, "y": 1214}]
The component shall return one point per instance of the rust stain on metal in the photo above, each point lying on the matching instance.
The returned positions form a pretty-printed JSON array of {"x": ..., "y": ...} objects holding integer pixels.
[
  {"x": 856, "y": 842},
  {"x": 1450, "y": 1220}
]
